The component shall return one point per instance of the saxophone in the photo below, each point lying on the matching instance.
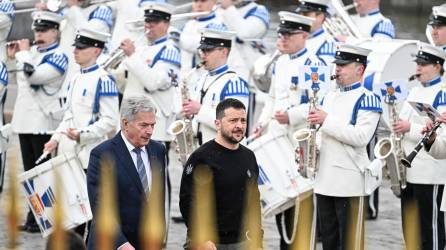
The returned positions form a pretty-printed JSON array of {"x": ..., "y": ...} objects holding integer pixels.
[
  {"x": 307, "y": 151},
  {"x": 391, "y": 151},
  {"x": 182, "y": 129}
]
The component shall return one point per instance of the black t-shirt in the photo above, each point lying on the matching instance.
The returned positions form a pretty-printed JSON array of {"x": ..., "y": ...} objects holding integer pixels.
[{"x": 232, "y": 171}]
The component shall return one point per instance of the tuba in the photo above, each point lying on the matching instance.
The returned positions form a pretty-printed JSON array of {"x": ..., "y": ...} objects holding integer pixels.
[
  {"x": 390, "y": 150},
  {"x": 307, "y": 151},
  {"x": 340, "y": 23},
  {"x": 182, "y": 129},
  {"x": 262, "y": 70}
]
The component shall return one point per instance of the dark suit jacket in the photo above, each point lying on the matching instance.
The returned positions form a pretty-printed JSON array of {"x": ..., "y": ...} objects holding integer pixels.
[{"x": 130, "y": 196}]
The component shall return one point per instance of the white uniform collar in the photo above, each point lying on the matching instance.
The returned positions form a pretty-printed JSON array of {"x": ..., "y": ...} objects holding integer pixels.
[
  {"x": 206, "y": 18},
  {"x": 49, "y": 48},
  {"x": 219, "y": 70},
  {"x": 89, "y": 69},
  {"x": 298, "y": 54},
  {"x": 350, "y": 87},
  {"x": 158, "y": 41},
  {"x": 432, "y": 82},
  {"x": 317, "y": 33}
]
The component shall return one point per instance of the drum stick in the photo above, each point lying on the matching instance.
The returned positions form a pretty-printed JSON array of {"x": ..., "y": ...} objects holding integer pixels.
[{"x": 42, "y": 157}]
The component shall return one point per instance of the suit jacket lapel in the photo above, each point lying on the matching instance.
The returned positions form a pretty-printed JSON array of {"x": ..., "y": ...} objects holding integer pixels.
[{"x": 126, "y": 161}]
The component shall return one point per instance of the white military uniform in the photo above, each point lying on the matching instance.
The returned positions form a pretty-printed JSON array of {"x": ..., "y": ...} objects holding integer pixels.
[
  {"x": 153, "y": 69},
  {"x": 438, "y": 148},
  {"x": 425, "y": 169},
  {"x": 375, "y": 26},
  {"x": 322, "y": 44},
  {"x": 92, "y": 109},
  {"x": 285, "y": 94},
  {"x": 6, "y": 19},
  {"x": 96, "y": 17},
  {"x": 213, "y": 87},
  {"x": 38, "y": 107},
  {"x": 353, "y": 113},
  {"x": 251, "y": 22},
  {"x": 190, "y": 38}
]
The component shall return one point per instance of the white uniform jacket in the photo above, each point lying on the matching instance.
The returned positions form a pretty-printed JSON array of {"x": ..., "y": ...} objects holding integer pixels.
[
  {"x": 374, "y": 25},
  {"x": 38, "y": 107},
  {"x": 251, "y": 22},
  {"x": 153, "y": 70},
  {"x": 190, "y": 38},
  {"x": 213, "y": 87},
  {"x": 323, "y": 45},
  {"x": 92, "y": 108},
  {"x": 438, "y": 148},
  {"x": 352, "y": 117},
  {"x": 285, "y": 94},
  {"x": 425, "y": 169},
  {"x": 6, "y": 19},
  {"x": 96, "y": 17}
]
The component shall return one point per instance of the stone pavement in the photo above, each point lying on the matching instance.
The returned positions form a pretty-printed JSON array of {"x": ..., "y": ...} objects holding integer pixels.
[{"x": 384, "y": 233}]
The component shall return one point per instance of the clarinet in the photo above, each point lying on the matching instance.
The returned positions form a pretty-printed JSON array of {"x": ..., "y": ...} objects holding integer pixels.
[{"x": 407, "y": 162}]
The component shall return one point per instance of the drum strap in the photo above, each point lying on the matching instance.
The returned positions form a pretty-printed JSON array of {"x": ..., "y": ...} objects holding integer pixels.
[
  {"x": 203, "y": 93},
  {"x": 285, "y": 237}
]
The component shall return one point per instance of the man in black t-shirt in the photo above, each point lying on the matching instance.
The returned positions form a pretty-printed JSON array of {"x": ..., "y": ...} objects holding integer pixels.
[{"x": 234, "y": 172}]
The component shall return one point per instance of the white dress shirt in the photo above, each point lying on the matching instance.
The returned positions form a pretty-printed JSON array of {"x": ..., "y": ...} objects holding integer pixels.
[{"x": 144, "y": 156}]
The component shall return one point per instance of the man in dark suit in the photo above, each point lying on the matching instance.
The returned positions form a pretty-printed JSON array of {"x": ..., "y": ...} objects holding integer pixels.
[{"x": 136, "y": 160}]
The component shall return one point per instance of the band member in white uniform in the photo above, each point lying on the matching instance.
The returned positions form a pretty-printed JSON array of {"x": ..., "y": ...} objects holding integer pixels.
[
  {"x": 216, "y": 85},
  {"x": 92, "y": 106},
  {"x": 190, "y": 33},
  {"x": 348, "y": 119},
  {"x": 153, "y": 68},
  {"x": 282, "y": 107},
  {"x": 38, "y": 108},
  {"x": 370, "y": 22},
  {"x": 251, "y": 22},
  {"x": 319, "y": 43},
  {"x": 426, "y": 177},
  {"x": 7, "y": 16},
  {"x": 438, "y": 23}
]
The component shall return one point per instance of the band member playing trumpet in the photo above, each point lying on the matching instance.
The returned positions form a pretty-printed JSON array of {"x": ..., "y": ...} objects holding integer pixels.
[
  {"x": 371, "y": 22},
  {"x": 190, "y": 35},
  {"x": 425, "y": 179},
  {"x": 217, "y": 84},
  {"x": 285, "y": 95},
  {"x": 319, "y": 43},
  {"x": 38, "y": 107},
  {"x": 153, "y": 68},
  {"x": 348, "y": 119}
]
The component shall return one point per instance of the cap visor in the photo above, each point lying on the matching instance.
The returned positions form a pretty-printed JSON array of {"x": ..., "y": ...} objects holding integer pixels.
[
  {"x": 303, "y": 9},
  {"x": 149, "y": 19},
  {"x": 422, "y": 61},
  {"x": 206, "y": 46},
  {"x": 41, "y": 28},
  {"x": 81, "y": 45},
  {"x": 436, "y": 23},
  {"x": 342, "y": 62}
]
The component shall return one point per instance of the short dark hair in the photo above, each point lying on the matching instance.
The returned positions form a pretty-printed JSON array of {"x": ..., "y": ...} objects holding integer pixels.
[{"x": 228, "y": 103}]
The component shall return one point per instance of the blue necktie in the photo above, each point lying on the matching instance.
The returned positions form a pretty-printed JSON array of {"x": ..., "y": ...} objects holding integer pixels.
[{"x": 141, "y": 169}]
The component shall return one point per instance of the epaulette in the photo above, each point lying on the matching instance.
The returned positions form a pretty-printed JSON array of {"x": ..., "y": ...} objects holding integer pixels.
[
  {"x": 3, "y": 74},
  {"x": 385, "y": 27},
  {"x": 370, "y": 101},
  {"x": 103, "y": 13},
  {"x": 327, "y": 49},
  {"x": 234, "y": 87},
  {"x": 171, "y": 54},
  {"x": 217, "y": 26},
  {"x": 440, "y": 99},
  {"x": 7, "y": 7},
  {"x": 58, "y": 60},
  {"x": 107, "y": 86},
  {"x": 259, "y": 12}
]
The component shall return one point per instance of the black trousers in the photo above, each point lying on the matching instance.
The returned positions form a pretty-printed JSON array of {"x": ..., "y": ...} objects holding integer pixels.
[
  {"x": 341, "y": 222},
  {"x": 423, "y": 222},
  {"x": 32, "y": 147}
]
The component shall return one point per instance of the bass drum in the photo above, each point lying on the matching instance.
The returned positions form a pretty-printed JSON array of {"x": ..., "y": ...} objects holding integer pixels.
[{"x": 389, "y": 61}]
